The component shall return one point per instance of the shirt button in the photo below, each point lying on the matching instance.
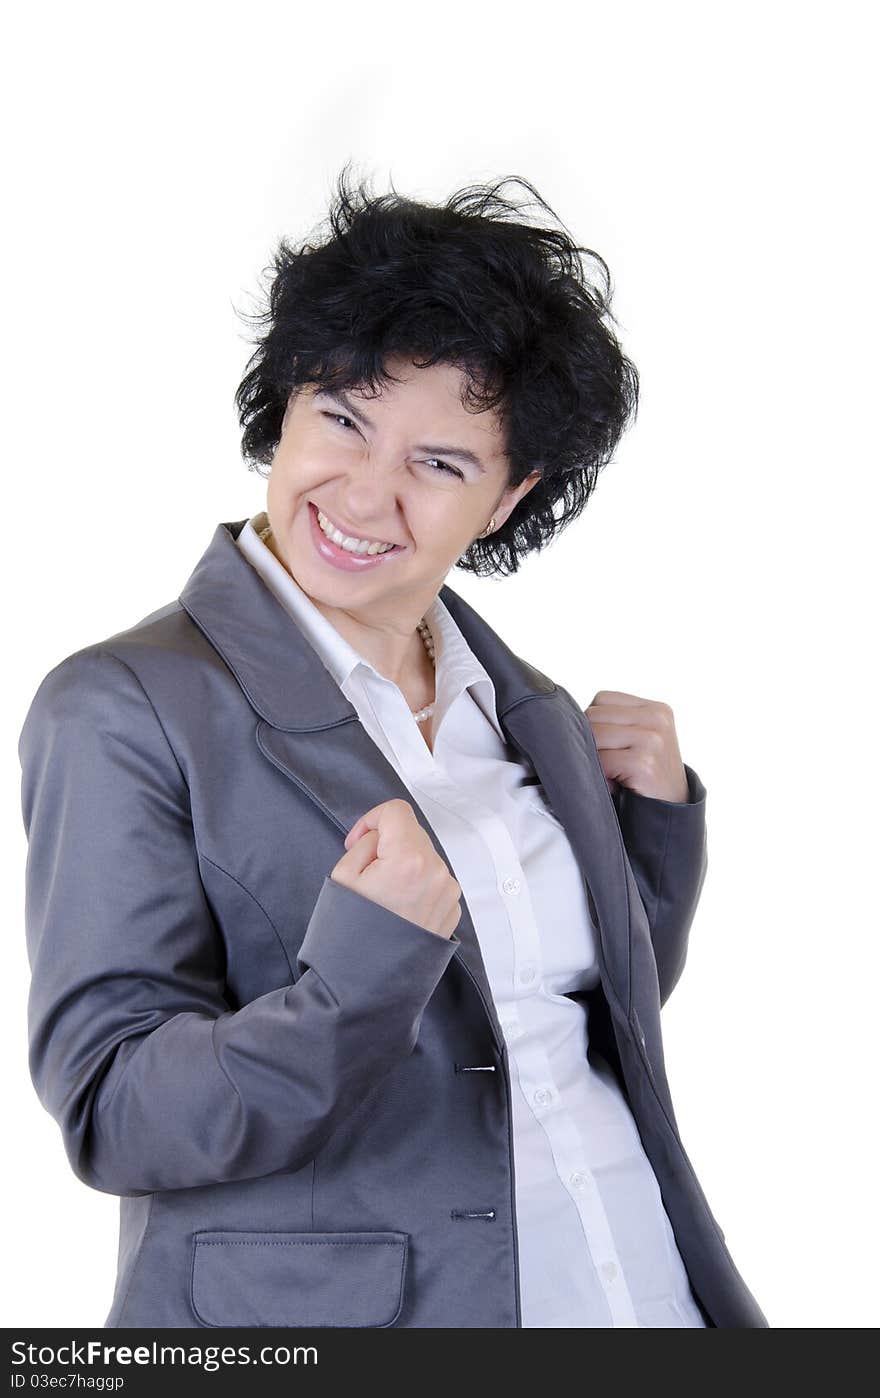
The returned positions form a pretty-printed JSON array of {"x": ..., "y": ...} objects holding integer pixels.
[
  {"x": 527, "y": 974},
  {"x": 511, "y": 885},
  {"x": 608, "y": 1270},
  {"x": 512, "y": 1031},
  {"x": 543, "y": 1096},
  {"x": 578, "y": 1180}
]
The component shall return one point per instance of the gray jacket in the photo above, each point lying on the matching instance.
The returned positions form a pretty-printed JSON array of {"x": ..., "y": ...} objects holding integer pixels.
[{"x": 267, "y": 1067}]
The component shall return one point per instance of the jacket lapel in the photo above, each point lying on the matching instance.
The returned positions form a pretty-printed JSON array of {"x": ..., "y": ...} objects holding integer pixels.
[{"x": 311, "y": 732}]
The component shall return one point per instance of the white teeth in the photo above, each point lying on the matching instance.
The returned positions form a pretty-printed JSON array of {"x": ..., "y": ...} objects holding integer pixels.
[{"x": 346, "y": 542}]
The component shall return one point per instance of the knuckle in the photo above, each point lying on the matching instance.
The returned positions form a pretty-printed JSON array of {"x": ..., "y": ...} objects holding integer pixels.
[
  {"x": 411, "y": 863},
  {"x": 649, "y": 767}
]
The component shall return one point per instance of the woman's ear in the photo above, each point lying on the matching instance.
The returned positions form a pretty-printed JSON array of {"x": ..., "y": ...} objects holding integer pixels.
[{"x": 511, "y": 498}]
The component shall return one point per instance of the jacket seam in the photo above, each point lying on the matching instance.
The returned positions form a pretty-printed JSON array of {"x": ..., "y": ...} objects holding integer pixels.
[
  {"x": 136, "y": 1261},
  {"x": 254, "y": 899},
  {"x": 199, "y": 852},
  {"x": 657, "y": 896},
  {"x": 103, "y": 650},
  {"x": 139, "y": 682}
]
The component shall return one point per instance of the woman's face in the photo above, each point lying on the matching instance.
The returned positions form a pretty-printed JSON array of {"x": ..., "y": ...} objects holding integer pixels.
[{"x": 395, "y": 468}]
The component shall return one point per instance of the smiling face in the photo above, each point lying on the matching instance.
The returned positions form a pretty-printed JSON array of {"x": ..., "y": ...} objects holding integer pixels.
[{"x": 411, "y": 467}]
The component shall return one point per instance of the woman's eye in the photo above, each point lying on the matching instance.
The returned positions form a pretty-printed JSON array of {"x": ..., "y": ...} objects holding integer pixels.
[
  {"x": 442, "y": 466},
  {"x": 439, "y": 465},
  {"x": 338, "y": 417}
]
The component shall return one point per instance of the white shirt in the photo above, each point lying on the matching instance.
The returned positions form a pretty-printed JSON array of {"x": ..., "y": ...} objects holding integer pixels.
[{"x": 596, "y": 1248}]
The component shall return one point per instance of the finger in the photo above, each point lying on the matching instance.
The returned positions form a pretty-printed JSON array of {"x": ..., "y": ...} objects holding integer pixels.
[
  {"x": 368, "y": 821},
  {"x": 618, "y": 696},
  {"x": 626, "y": 707},
  {"x": 387, "y": 817},
  {"x": 622, "y": 735},
  {"x": 608, "y": 713},
  {"x": 362, "y": 852},
  {"x": 609, "y": 762},
  {"x": 617, "y": 767},
  {"x": 641, "y": 743}
]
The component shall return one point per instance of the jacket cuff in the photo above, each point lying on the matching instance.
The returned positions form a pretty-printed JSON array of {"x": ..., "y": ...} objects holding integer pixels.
[
  {"x": 696, "y": 797},
  {"x": 364, "y": 951},
  {"x": 648, "y": 821}
]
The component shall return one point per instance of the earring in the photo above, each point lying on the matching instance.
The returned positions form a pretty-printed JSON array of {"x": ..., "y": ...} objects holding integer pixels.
[{"x": 488, "y": 530}]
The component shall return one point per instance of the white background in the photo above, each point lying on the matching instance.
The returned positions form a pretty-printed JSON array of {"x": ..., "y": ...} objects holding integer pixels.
[{"x": 721, "y": 158}]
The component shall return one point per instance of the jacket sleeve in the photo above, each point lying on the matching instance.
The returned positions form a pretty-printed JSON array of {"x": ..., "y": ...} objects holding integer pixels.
[
  {"x": 667, "y": 847},
  {"x": 155, "y": 1081}
]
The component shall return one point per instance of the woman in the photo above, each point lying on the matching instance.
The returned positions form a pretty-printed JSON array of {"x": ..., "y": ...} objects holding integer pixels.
[{"x": 346, "y": 964}]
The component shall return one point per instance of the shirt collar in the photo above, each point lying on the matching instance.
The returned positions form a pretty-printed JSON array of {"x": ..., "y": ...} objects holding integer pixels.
[{"x": 457, "y": 668}]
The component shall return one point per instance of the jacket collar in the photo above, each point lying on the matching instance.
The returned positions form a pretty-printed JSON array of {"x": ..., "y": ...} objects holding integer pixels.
[
  {"x": 282, "y": 675},
  {"x": 310, "y": 731}
]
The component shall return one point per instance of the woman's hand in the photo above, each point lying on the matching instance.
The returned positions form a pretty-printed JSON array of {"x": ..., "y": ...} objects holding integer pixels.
[
  {"x": 637, "y": 744},
  {"x": 390, "y": 859}
]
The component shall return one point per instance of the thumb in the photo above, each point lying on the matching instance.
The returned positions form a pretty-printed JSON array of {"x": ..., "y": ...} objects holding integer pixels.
[{"x": 360, "y": 854}]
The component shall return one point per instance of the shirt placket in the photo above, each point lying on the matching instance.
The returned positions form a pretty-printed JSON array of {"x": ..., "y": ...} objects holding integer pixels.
[
  {"x": 539, "y": 1091},
  {"x": 517, "y": 986}
]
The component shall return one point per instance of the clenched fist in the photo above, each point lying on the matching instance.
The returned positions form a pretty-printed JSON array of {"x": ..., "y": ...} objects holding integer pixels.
[
  {"x": 638, "y": 745},
  {"x": 390, "y": 859}
]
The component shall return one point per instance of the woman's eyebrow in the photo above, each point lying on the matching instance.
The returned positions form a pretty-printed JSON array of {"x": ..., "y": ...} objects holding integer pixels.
[{"x": 462, "y": 453}]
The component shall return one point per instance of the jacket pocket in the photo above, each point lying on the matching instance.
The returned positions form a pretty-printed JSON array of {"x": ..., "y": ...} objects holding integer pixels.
[
  {"x": 298, "y": 1279},
  {"x": 534, "y": 798}
]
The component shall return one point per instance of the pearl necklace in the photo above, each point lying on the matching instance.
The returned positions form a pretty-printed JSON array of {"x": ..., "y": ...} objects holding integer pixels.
[{"x": 424, "y": 631}]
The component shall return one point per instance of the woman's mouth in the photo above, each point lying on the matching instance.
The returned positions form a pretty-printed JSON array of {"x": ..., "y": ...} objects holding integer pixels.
[{"x": 351, "y": 559}]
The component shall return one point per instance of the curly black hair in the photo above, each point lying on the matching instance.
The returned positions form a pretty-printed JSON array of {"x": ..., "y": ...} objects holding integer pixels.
[{"x": 507, "y": 302}]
